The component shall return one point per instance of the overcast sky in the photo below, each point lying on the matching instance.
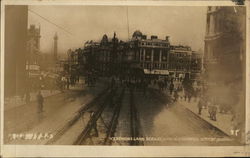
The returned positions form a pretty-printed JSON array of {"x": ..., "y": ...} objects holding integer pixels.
[{"x": 184, "y": 25}]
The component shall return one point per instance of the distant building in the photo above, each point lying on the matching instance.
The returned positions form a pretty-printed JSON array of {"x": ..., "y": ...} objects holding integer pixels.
[
  {"x": 180, "y": 61},
  {"x": 138, "y": 57},
  {"x": 184, "y": 61},
  {"x": 151, "y": 54},
  {"x": 34, "y": 56}
]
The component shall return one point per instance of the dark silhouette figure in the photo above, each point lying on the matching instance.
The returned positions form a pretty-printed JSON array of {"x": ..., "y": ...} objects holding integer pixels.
[{"x": 40, "y": 101}]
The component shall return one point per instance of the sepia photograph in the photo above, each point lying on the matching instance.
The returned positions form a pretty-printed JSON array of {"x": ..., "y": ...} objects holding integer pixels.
[{"x": 124, "y": 75}]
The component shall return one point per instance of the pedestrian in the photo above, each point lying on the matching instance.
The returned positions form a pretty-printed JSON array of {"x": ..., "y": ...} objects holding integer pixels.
[
  {"x": 189, "y": 95},
  {"x": 201, "y": 103},
  {"x": 171, "y": 88},
  {"x": 94, "y": 124},
  {"x": 27, "y": 97},
  {"x": 214, "y": 112},
  {"x": 165, "y": 83},
  {"x": 40, "y": 102},
  {"x": 176, "y": 96},
  {"x": 210, "y": 110}
]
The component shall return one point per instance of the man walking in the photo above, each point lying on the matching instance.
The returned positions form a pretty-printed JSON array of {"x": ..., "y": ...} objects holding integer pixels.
[
  {"x": 40, "y": 102},
  {"x": 200, "y": 105},
  {"x": 176, "y": 95},
  {"x": 171, "y": 87}
]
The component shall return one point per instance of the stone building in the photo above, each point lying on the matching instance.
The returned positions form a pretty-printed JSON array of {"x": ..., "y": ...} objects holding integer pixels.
[
  {"x": 138, "y": 57},
  {"x": 33, "y": 45},
  {"x": 184, "y": 61},
  {"x": 224, "y": 58},
  {"x": 16, "y": 21},
  {"x": 151, "y": 54},
  {"x": 224, "y": 43}
]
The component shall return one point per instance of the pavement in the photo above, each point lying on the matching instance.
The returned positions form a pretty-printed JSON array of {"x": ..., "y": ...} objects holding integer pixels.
[
  {"x": 164, "y": 122},
  {"x": 16, "y": 101},
  {"x": 223, "y": 121},
  {"x": 58, "y": 110}
]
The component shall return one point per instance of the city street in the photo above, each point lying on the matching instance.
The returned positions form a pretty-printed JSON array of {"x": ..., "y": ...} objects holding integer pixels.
[{"x": 122, "y": 116}]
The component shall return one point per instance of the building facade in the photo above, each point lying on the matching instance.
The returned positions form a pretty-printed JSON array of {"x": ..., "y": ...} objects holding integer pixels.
[
  {"x": 15, "y": 53},
  {"x": 33, "y": 45},
  {"x": 224, "y": 58},
  {"x": 138, "y": 57},
  {"x": 152, "y": 54}
]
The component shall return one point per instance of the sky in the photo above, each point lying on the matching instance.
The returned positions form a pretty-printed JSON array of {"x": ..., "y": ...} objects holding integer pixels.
[{"x": 184, "y": 25}]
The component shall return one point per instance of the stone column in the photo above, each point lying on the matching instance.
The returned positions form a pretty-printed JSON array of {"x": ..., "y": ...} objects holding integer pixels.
[
  {"x": 152, "y": 58},
  {"x": 160, "y": 56},
  {"x": 212, "y": 23},
  {"x": 152, "y": 55},
  {"x": 144, "y": 54}
]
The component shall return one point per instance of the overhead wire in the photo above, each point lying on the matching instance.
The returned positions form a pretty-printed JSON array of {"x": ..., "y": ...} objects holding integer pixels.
[{"x": 50, "y": 21}]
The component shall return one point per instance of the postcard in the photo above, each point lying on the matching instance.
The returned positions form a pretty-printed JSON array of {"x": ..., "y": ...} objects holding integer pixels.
[{"x": 124, "y": 78}]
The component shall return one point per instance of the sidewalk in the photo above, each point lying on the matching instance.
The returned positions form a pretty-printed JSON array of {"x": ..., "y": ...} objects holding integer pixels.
[
  {"x": 57, "y": 112},
  {"x": 223, "y": 121},
  {"x": 17, "y": 101}
]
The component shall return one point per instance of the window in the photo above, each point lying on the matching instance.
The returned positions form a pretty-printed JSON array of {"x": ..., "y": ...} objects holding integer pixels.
[
  {"x": 148, "y": 55},
  {"x": 208, "y": 23},
  {"x": 164, "y": 55},
  {"x": 156, "y": 54}
]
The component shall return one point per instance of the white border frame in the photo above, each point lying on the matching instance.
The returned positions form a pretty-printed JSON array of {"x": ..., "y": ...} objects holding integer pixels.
[{"x": 121, "y": 151}]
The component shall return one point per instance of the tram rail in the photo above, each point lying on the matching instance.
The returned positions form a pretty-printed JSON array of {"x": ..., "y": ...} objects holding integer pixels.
[
  {"x": 78, "y": 115},
  {"x": 114, "y": 121},
  {"x": 93, "y": 120},
  {"x": 135, "y": 126}
]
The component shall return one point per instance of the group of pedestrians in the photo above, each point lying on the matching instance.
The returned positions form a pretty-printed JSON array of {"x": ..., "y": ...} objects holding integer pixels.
[{"x": 210, "y": 106}]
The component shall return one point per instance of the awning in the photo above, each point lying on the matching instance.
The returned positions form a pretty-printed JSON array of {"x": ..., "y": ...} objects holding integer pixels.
[{"x": 156, "y": 72}]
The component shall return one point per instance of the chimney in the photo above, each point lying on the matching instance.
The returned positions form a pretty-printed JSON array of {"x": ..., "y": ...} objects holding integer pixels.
[
  {"x": 144, "y": 36},
  {"x": 167, "y": 38},
  {"x": 153, "y": 37}
]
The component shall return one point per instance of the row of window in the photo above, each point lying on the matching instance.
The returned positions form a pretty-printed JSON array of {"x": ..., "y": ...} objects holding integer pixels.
[
  {"x": 179, "y": 55},
  {"x": 153, "y": 44},
  {"x": 153, "y": 66}
]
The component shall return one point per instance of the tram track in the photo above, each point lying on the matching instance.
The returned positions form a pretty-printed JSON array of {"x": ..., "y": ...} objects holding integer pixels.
[
  {"x": 78, "y": 115},
  {"x": 86, "y": 132},
  {"x": 135, "y": 126},
  {"x": 114, "y": 120},
  {"x": 107, "y": 104}
]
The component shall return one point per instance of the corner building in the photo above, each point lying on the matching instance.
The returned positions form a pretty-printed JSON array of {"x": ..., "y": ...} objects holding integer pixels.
[{"x": 151, "y": 54}]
